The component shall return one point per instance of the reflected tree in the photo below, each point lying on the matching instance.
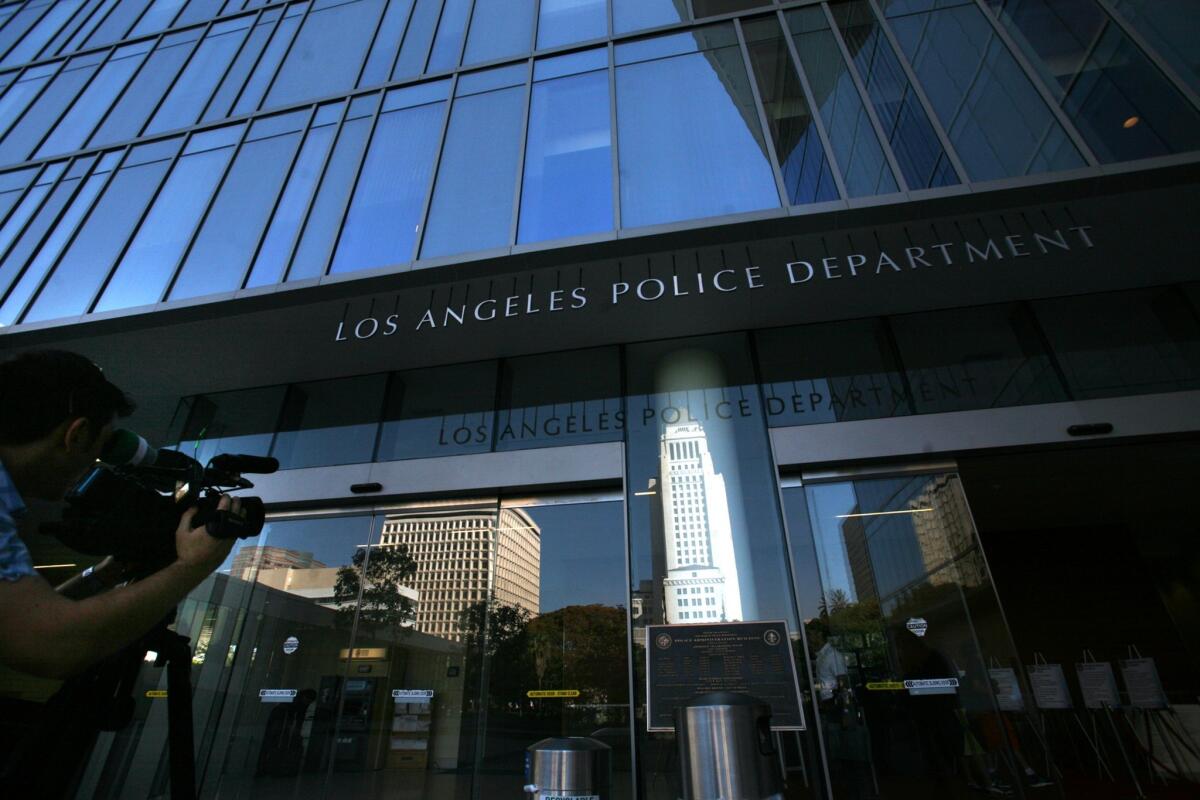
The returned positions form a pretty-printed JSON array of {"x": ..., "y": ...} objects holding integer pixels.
[{"x": 383, "y": 609}]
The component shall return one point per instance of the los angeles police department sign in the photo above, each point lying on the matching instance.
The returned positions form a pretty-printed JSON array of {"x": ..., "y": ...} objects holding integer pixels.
[{"x": 728, "y": 280}]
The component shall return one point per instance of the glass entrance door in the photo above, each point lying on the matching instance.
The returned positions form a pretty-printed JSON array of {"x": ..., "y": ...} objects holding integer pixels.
[{"x": 917, "y": 685}]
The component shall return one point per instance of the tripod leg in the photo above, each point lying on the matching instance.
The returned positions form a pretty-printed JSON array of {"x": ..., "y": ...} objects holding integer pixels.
[{"x": 179, "y": 717}]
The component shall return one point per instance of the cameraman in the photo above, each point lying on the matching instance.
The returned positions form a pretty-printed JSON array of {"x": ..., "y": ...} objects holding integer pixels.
[{"x": 56, "y": 412}]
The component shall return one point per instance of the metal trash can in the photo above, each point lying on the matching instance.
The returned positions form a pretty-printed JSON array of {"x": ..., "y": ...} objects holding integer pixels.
[
  {"x": 568, "y": 766},
  {"x": 726, "y": 749}
]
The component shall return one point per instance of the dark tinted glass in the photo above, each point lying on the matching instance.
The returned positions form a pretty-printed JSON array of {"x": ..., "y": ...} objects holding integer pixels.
[
  {"x": 914, "y": 142},
  {"x": 806, "y": 172},
  {"x": 689, "y": 137},
  {"x": 984, "y": 357},
  {"x": 499, "y": 28},
  {"x": 329, "y": 422},
  {"x": 1120, "y": 102},
  {"x": 864, "y": 167},
  {"x": 231, "y": 422},
  {"x": 381, "y": 226},
  {"x": 565, "y": 21},
  {"x": 1171, "y": 28},
  {"x": 309, "y": 71},
  {"x": 561, "y": 398},
  {"x": 830, "y": 373},
  {"x": 1125, "y": 343},
  {"x": 438, "y": 412},
  {"x": 632, "y": 15},
  {"x": 567, "y": 188},
  {"x": 708, "y": 8},
  {"x": 473, "y": 198},
  {"x": 995, "y": 119}
]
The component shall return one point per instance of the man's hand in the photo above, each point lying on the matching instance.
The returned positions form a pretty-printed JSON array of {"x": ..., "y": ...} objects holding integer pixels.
[{"x": 195, "y": 548}]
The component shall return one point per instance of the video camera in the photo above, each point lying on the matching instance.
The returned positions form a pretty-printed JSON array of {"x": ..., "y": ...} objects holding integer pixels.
[{"x": 130, "y": 503}]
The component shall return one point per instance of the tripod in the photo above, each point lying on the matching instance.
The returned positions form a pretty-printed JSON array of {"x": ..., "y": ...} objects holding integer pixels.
[{"x": 53, "y": 756}]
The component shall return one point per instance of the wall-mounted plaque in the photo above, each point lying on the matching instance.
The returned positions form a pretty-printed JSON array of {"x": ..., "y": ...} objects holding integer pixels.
[{"x": 754, "y": 658}]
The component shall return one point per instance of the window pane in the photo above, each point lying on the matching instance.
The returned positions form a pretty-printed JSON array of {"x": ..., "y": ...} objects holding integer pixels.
[
  {"x": 268, "y": 65},
  {"x": 128, "y": 117},
  {"x": 118, "y": 22},
  {"x": 422, "y": 419},
  {"x": 75, "y": 128},
  {"x": 21, "y": 93},
  {"x": 1172, "y": 28},
  {"x": 309, "y": 72},
  {"x": 473, "y": 197},
  {"x": 1120, "y": 102},
  {"x": 915, "y": 144},
  {"x": 313, "y": 251},
  {"x": 830, "y": 373},
  {"x": 560, "y": 399},
  {"x": 417, "y": 40},
  {"x": 566, "y": 21},
  {"x": 381, "y": 226},
  {"x": 994, "y": 358},
  {"x": 499, "y": 28},
  {"x": 150, "y": 261},
  {"x": 40, "y": 219},
  {"x": 219, "y": 258},
  {"x": 567, "y": 188},
  {"x": 632, "y": 15},
  {"x": 859, "y": 155},
  {"x": 1124, "y": 343},
  {"x": 379, "y": 63},
  {"x": 37, "y": 37},
  {"x": 24, "y": 136},
  {"x": 276, "y": 248},
  {"x": 559, "y": 608},
  {"x": 709, "y": 8},
  {"x": 198, "y": 11},
  {"x": 231, "y": 85},
  {"x": 689, "y": 139},
  {"x": 86, "y": 264},
  {"x": 195, "y": 86},
  {"x": 995, "y": 119},
  {"x": 158, "y": 17},
  {"x": 231, "y": 422},
  {"x": 46, "y": 253},
  {"x": 329, "y": 422},
  {"x": 447, "y": 45},
  {"x": 806, "y": 172}
]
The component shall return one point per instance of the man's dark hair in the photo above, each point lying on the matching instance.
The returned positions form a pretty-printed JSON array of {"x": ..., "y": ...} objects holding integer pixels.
[{"x": 41, "y": 389}]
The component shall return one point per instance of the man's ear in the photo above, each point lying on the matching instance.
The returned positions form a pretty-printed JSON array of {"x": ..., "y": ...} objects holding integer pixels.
[{"x": 78, "y": 435}]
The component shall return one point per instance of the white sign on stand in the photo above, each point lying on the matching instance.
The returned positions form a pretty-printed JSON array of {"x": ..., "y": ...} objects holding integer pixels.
[
  {"x": 277, "y": 695},
  {"x": 1007, "y": 689},
  {"x": 1049, "y": 686},
  {"x": 1098, "y": 684},
  {"x": 1143, "y": 684},
  {"x": 412, "y": 695}
]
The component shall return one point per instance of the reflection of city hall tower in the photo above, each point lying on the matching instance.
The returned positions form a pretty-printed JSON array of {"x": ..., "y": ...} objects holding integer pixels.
[
  {"x": 701, "y": 582},
  {"x": 461, "y": 555}
]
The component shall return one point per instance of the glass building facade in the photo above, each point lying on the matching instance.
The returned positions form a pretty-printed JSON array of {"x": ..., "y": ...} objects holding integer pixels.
[{"x": 564, "y": 318}]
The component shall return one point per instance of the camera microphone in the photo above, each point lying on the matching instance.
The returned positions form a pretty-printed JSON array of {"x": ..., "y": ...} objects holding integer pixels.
[{"x": 126, "y": 449}]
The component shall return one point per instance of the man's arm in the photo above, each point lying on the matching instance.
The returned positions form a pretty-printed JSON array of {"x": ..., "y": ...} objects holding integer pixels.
[{"x": 44, "y": 633}]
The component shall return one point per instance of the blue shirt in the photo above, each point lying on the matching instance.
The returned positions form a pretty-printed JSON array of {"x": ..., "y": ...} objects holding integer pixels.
[{"x": 15, "y": 562}]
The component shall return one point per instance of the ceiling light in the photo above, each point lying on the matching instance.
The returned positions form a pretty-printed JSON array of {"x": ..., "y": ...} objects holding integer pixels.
[{"x": 1129, "y": 123}]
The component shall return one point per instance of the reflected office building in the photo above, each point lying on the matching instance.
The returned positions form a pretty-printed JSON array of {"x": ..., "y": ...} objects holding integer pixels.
[{"x": 564, "y": 319}]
